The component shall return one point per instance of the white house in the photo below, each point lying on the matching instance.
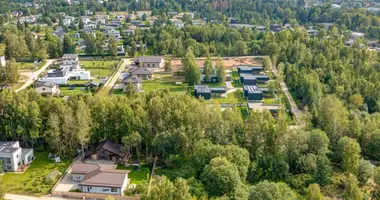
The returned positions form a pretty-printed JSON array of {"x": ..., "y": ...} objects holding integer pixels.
[
  {"x": 13, "y": 156},
  {"x": 68, "y": 20},
  {"x": 69, "y": 69},
  {"x": 101, "y": 21},
  {"x": 85, "y": 20},
  {"x": 93, "y": 178},
  {"x": 47, "y": 88}
]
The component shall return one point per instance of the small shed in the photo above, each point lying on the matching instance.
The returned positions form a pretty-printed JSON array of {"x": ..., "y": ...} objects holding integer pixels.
[
  {"x": 252, "y": 92},
  {"x": 92, "y": 86}
]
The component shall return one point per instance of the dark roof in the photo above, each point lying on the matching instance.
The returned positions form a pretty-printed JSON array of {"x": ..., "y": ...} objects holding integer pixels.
[
  {"x": 69, "y": 56},
  {"x": 110, "y": 146},
  {"x": 218, "y": 89},
  {"x": 133, "y": 79},
  {"x": 153, "y": 59},
  {"x": 249, "y": 68},
  {"x": 84, "y": 168},
  {"x": 141, "y": 71},
  {"x": 7, "y": 143},
  {"x": 46, "y": 84},
  {"x": 107, "y": 179},
  {"x": 94, "y": 83},
  {"x": 248, "y": 76}
]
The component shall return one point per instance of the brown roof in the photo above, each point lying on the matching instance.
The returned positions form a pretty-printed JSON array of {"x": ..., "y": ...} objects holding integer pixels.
[
  {"x": 84, "y": 168},
  {"x": 110, "y": 146},
  {"x": 107, "y": 179}
]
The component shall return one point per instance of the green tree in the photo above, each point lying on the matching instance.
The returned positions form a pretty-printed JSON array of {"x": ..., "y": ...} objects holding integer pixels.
[
  {"x": 270, "y": 191},
  {"x": 352, "y": 190},
  {"x": 81, "y": 24},
  {"x": 323, "y": 173},
  {"x": 132, "y": 140},
  {"x": 313, "y": 192},
  {"x": 267, "y": 64},
  {"x": 11, "y": 72},
  {"x": 83, "y": 124},
  {"x": 68, "y": 45},
  {"x": 207, "y": 69},
  {"x": 220, "y": 70},
  {"x": 112, "y": 46},
  {"x": 365, "y": 171},
  {"x": 163, "y": 188},
  {"x": 130, "y": 89},
  {"x": 241, "y": 48},
  {"x": 168, "y": 64},
  {"x": 191, "y": 69},
  {"x": 220, "y": 177},
  {"x": 349, "y": 154}
]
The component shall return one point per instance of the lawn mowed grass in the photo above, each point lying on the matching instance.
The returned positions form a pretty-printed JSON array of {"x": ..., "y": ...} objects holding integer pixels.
[
  {"x": 65, "y": 91},
  {"x": 159, "y": 85},
  {"x": 232, "y": 98},
  {"x": 137, "y": 176},
  {"x": 100, "y": 72},
  {"x": 100, "y": 68},
  {"x": 32, "y": 182},
  {"x": 28, "y": 65}
]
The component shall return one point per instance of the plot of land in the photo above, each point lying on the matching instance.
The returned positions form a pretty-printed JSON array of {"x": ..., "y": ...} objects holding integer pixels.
[
  {"x": 165, "y": 81},
  {"x": 100, "y": 68},
  {"x": 32, "y": 182},
  {"x": 67, "y": 92},
  {"x": 232, "y": 98}
]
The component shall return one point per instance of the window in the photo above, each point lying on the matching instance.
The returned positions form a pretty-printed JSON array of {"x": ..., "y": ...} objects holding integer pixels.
[
  {"x": 148, "y": 65},
  {"x": 113, "y": 189},
  {"x": 106, "y": 190},
  {"x": 153, "y": 65},
  {"x": 43, "y": 89}
]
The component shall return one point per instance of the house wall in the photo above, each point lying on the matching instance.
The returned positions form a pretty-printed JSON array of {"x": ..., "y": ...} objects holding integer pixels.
[
  {"x": 13, "y": 158},
  {"x": 83, "y": 75},
  {"x": 153, "y": 64},
  {"x": 77, "y": 177},
  {"x": 27, "y": 158},
  {"x": 126, "y": 182},
  {"x": 100, "y": 190},
  {"x": 57, "y": 80},
  {"x": 47, "y": 90}
]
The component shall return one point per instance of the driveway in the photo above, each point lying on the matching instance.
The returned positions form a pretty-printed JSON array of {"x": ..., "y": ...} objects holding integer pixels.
[{"x": 34, "y": 76}]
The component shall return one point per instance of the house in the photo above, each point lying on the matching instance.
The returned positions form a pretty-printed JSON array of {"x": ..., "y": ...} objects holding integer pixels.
[
  {"x": 68, "y": 20},
  {"x": 106, "y": 150},
  {"x": 248, "y": 79},
  {"x": 92, "y": 86},
  {"x": 172, "y": 14},
  {"x": 121, "y": 17},
  {"x": 59, "y": 32},
  {"x": 355, "y": 35},
  {"x": 350, "y": 42},
  {"x": 3, "y": 62},
  {"x": 213, "y": 78},
  {"x": 373, "y": 44},
  {"x": 69, "y": 69},
  {"x": 28, "y": 19},
  {"x": 179, "y": 24},
  {"x": 246, "y": 69},
  {"x": 252, "y": 92},
  {"x": 312, "y": 32},
  {"x": 79, "y": 34},
  {"x": 105, "y": 17},
  {"x": 115, "y": 23},
  {"x": 207, "y": 92},
  {"x": 143, "y": 73},
  {"x": 136, "y": 81},
  {"x": 93, "y": 178},
  {"x": 150, "y": 61},
  {"x": 261, "y": 28},
  {"x": 47, "y": 88},
  {"x": 85, "y": 19},
  {"x": 14, "y": 157},
  {"x": 120, "y": 50},
  {"x": 101, "y": 21},
  {"x": 89, "y": 25},
  {"x": 275, "y": 28},
  {"x": 112, "y": 32},
  {"x": 239, "y": 26},
  {"x": 17, "y": 13},
  {"x": 128, "y": 32}
]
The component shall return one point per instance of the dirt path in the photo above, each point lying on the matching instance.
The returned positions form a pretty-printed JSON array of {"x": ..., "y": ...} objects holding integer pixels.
[
  {"x": 112, "y": 80},
  {"x": 33, "y": 76}
]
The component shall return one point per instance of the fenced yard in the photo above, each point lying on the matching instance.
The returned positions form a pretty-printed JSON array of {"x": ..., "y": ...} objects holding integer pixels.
[{"x": 32, "y": 181}]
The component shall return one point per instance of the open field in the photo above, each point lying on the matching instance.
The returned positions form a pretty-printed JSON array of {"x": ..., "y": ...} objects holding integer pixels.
[
  {"x": 32, "y": 182},
  {"x": 99, "y": 68}
]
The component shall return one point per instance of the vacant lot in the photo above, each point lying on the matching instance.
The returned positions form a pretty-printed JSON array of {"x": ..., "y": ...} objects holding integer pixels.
[
  {"x": 228, "y": 63},
  {"x": 232, "y": 98},
  {"x": 67, "y": 92},
  {"x": 32, "y": 182},
  {"x": 100, "y": 68},
  {"x": 165, "y": 81}
]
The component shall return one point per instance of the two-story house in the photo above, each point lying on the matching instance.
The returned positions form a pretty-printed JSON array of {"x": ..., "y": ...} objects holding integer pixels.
[{"x": 13, "y": 156}]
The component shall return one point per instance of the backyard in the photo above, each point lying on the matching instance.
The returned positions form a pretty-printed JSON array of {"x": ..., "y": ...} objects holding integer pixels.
[
  {"x": 32, "y": 182},
  {"x": 232, "y": 98},
  {"x": 65, "y": 91},
  {"x": 137, "y": 176},
  {"x": 165, "y": 81}
]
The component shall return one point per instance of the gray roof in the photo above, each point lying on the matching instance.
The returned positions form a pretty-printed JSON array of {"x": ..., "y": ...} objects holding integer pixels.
[
  {"x": 84, "y": 168},
  {"x": 7, "y": 143},
  {"x": 25, "y": 151},
  {"x": 94, "y": 83},
  {"x": 46, "y": 84},
  {"x": 107, "y": 179},
  {"x": 132, "y": 79},
  {"x": 202, "y": 88},
  {"x": 150, "y": 59},
  {"x": 249, "y": 68},
  {"x": 7, "y": 149},
  {"x": 69, "y": 56},
  {"x": 141, "y": 71},
  {"x": 248, "y": 76}
]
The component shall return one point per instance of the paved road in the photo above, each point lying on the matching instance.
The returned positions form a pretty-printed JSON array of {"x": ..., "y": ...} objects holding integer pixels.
[
  {"x": 112, "y": 80},
  {"x": 294, "y": 108},
  {"x": 35, "y": 75},
  {"x": 21, "y": 197}
]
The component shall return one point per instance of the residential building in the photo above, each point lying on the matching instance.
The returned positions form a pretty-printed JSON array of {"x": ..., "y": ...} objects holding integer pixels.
[
  {"x": 112, "y": 32},
  {"x": 80, "y": 33},
  {"x": 143, "y": 73},
  {"x": 261, "y": 28},
  {"x": 208, "y": 92},
  {"x": 120, "y": 50},
  {"x": 121, "y": 17},
  {"x": 252, "y": 92},
  {"x": 179, "y": 24},
  {"x": 93, "y": 178},
  {"x": 115, "y": 23},
  {"x": 101, "y": 21},
  {"x": 275, "y": 28},
  {"x": 247, "y": 69},
  {"x": 355, "y": 35},
  {"x": 312, "y": 32},
  {"x": 85, "y": 19},
  {"x": 136, "y": 81},
  {"x": 252, "y": 79},
  {"x": 69, "y": 69},
  {"x": 17, "y": 13},
  {"x": 47, "y": 88},
  {"x": 106, "y": 150},
  {"x": 68, "y": 20},
  {"x": 106, "y": 17},
  {"x": 59, "y": 32},
  {"x": 14, "y": 157},
  {"x": 89, "y": 25},
  {"x": 150, "y": 61},
  {"x": 28, "y": 19},
  {"x": 128, "y": 32},
  {"x": 92, "y": 86},
  {"x": 239, "y": 26},
  {"x": 2, "y": 61}
]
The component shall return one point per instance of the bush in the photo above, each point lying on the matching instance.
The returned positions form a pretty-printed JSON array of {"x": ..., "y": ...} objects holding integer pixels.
[{"x": 52, "y": 177}]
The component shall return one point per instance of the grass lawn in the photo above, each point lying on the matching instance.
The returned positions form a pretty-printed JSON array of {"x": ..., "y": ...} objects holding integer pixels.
[
  {"x": 137, "y": 177},
  {"x": 159, "y": 85},
  {"x": 101, "y": 72},
  {"x": 235, "y": 79},
  {"x": 2, "y": 49},
  {"x": 244, "y": 111},
  {"x": 149, "y": 51},
  {"x": 117, "y": 92},
  {"x": 32, "y": 182},
  {"x": 66, "y": 92},
  {"x": 232, "y": 98},
  {"x": 77, "y": 82},
  {"x": 98, "y": 64},
  {"x": 28, "y": 65}
]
